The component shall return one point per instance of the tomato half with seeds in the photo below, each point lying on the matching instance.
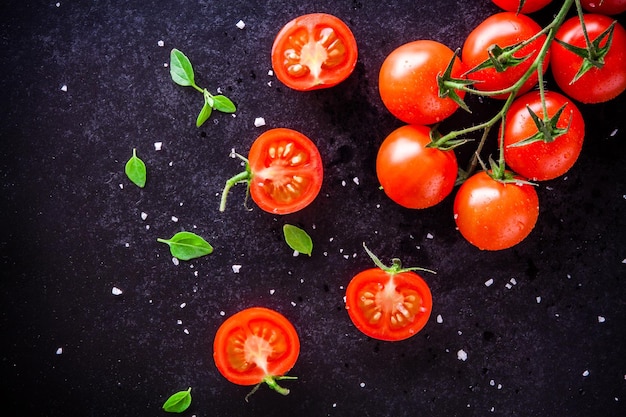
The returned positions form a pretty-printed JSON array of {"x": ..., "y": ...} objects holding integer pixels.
[
  {"x": 493, "y": 214},
  {"x": 284, "y": 172},
  {"x": 388, "y": 303},
  {"x": 314, "y": 51},
  {"x": 503, "y": 29},
  {"x": 543, "y": 158},
  {"x": 256, "y": 345},
  {"x": 408, "y": 82},
  {"x": 411, "y": 173}
]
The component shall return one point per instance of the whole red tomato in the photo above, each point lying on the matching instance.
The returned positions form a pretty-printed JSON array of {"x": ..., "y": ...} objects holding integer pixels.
[
  {"x": 529, "y": 5},
  {"x": 495, "y": 215},
  {"x": 609, "y": 7},
  {"x": 503, "y": 29},
  {"x": 598, "y": 84},
  {"x": 284, "y": 172},
  {"x": 408, "y": 84},
  {"x": 412, "y": 174},
  {"x": 542, "y": 160},
  {"x": 314, "y": 51}
]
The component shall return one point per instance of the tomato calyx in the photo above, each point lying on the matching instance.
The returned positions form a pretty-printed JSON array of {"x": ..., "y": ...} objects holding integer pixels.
[
  {"x": 448, "y": 85},
  {"x": 270, "y": 380},
  {"x": 547, "y": 129},
  {"x": 243, "y": 177},
  {"x": 501, "y": 59},
  {"x": 396, "y": 264},
  {"x": 592, "y": 54}
]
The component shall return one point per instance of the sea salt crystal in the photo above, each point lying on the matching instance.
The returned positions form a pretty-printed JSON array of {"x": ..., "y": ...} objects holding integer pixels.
[
  {"x": 174, "y": 219},
  {"x": 116, "y": 291},
  {"x": 270, "y": 73},
  {"x": 489, "y": 282},
  {"x": 144, "y": 215},
  {"x": 160, "y": 43},
  {"x": 439, "y": 319},
  {"x": 183, "y": 305},
  {"x": 236, "y": 268},
  {"x": 222, "y": 313},
  {"x": 538, "y": 299},
  {"x": 179, "y": 322},
  {"x": 293, "y": 304},
  {"x": 175, "y": 261},
  {"x": 158, "y": 146},
  {"x": 613, "y": 133},
  {"x": 343, "y": 183},
  {"x": 259, "y": 121},
  {"x": 429, "y": 236},
  {"x": 601, "y": 319},
  {"x": 461, "y": 355},
  {"x": 272, "y": 291},
  {"x": 586, "y": 372},
  {"x": 296, "y": 253},
  {"x": 362, "y": 384},
  {"x": 492, "y": 383},
  {"x": 240, "y": 24},
  {"x": 186, "y": 331},
  {"x": 64, "y": 87},
  {"x": 59, "y": 351},
  {"x": 356, "y": 180},
  {"x": 58, "y": 4}
]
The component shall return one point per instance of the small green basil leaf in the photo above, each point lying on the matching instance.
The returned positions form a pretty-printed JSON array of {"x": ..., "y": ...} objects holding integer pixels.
[
  {"x": 180, "y": 68},
  {"x": 223, "y": 104},
  {"x": 178, "y": 402},
  {"x": 136, "y": 170},
  {"x": 204, "y": 114},
  {"x": 187, "y": 245},
  {"x": 298, "y": 239}
]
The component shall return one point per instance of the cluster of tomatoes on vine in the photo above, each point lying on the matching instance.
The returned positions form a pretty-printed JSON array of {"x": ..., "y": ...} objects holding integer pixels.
[{"x": 421, "y": 83}]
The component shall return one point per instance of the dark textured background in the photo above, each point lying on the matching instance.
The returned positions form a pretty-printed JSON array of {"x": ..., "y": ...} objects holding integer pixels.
[{"x": 71, "y": 228}]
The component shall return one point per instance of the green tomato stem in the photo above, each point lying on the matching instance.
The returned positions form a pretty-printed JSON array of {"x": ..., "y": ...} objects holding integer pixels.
[{"x": 244, "y": 176}]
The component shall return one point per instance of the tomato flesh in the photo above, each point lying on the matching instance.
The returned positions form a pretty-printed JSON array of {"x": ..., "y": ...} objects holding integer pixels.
[
  {"x": 529, "y": 5},
  {"x": 388, "y": 306},
  {"x": 314, "y": 51},
  {"x": 286, "y": 169},
  {"x": 605, "y": 7},
  {"x": 253, "y": 344}
]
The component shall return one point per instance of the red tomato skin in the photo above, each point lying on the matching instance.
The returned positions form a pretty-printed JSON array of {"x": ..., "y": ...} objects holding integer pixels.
[
  {"x": 375, "y": 280},
  {"x": 411, "y": 174},
  {"x": 407, "y": 82},
  {"x": 530, "y": 6},
  {"x": 504, "y": 29},
  {"x": 270, "y": 175},
  {"x": 597, "y": 85},
  {"x": 606, "y": 7},
  {"x": 540, "y": 161},
  {"x": 492, "y": 215},
  {"x": 253, "y": 321},
  {"x": 310, "y": 30}
]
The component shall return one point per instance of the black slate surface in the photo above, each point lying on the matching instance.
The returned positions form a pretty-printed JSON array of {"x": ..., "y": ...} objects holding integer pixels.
[{"x": 84, "y": 82}]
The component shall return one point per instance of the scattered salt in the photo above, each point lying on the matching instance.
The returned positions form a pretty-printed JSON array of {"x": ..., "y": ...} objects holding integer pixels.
[
  {"x": 259, "y": 121},
  {"x": 144, "y": 215},
  {"x": 236, "y": 268},
  {"x": 122, "y": 187},
  {"x": 222, "y": 313},
  {"x": 343, "y": 183},
  {"x": 183, "y": 305},
  {"x": 429, "y": 236},
  {"x": 270, "y": 73},
  {"x": 160, "y": 43},
  {"x": 586, "y": 372},
  {"x": 175, "y": 261},
  {"x": 489, "y": 282},
  {"x": 601, "y": 319},
  {"x": 186, "y": 331},
  {"x": 127, "y": 244},
  {"x": 174, "y": 219},
  {"x": 613, "y": 133},
  {"x": 158, "y": 146},
  {"x": 538, "y": 299},
  {"x": 59, "y": 351},
  {"x": 439, "y": 319},
  {"x": 272, "y": 291},
  {"x": 64, "y": 87},
  {"x": 356, "y": 180},
  {"x": 362, "y": 384},
  {"x": 116, "y": 291},
  {"x": 179, "y": 322},
  {"x": 293, "y": 304},
  {"x": 461, "y": 355},
  {"x": 296, "y": 253},
  {"x": 492, "y": 383},
  {"x": 240, "y": 24},
  {"x": 58, "y": 4}
]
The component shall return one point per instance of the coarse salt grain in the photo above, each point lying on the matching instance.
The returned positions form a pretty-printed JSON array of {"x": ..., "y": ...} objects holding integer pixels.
[
  {"x": 59, "y": 351},
  {"x": 270, "y": 73},
  {"x": 174, "y": 219},
  {"x": 538, "y": 299},
  {"x": 160, "y": 43},
  {"x": 222, "y": 313},
  {"x": 64, "y": 87},
  {"x": 601, "y": 319},
  {"x": 355, "y": 180},
  {"x": 58, "y": 4},
  {"x": 259, "y": 121},
  {"x": 116, "y": 291},
  {"x": 272, "y": 291},
  {"x": 179, "y": 322},
  {"x": 489, "y": 282},
  {"x": 175, "y": 261},
  {"x": 429, "y": 236},
  {"x": 236, "y": 268},
  {"x": 362, "y": 384},
  {"x": 586, "y": 372},
  {"x": 293, "y": 303},
  {"x": 158, "y": 146},
  {"x": 439, "y": 319},
  {"x": 186, "y": 331},
  {"x": 240, "y": 24},
  {"x": 183, "y": 305},
  {"x": 144, "y": 215},
  {"x": 296, "y": 253},
  {"x": 461, "y": 355}
]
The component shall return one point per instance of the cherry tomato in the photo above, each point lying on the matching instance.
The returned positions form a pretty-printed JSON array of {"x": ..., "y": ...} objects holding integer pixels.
[
  {"x": 503, "y": 29},
  {"x": 542, "y": 160},
  {"x": 530, "y": 6},
  {"x": 598, "y": 84},
  {"x": 495, "y": 215},
  {"x": 610, "y": 7},
  {"x": 314, "y": 51},
  {"x": 256, "y": 345},
  {"x": 408, "y": 84},
  {"x": 388, "y": 304},
  {"x": 284, "y": 172},
  {"x": 412, "y": 174}
]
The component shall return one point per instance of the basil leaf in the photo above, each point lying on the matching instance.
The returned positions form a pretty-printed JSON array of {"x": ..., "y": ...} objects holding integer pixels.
[
  {"x": 136, "y": 170},
  {"x": 178, "y": 402},
  {"x": 223, "y": 104},
  {"x": 298, "y": 239},
  {"x": 204, "y": 115},
  {"x": 187, "y": 245},
  {"x": 181, "y": 69}
]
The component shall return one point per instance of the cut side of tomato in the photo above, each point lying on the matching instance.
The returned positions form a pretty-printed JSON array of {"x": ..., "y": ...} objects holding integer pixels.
[
  {"x": 388, "y": 306},
  {"x": 314, "y": 51},
  {"x": 255, "y": 345}
]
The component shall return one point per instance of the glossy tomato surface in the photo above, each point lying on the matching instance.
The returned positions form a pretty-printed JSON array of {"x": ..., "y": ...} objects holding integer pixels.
[
  {"x": 609, "y": 7},
  {"x": 493, "y": 215},
  {"x": 412, "y": 174},
  {"x": 314, "y": 51},
  {"x": 255, "y": 343},
  {"x": 542, "y": 160},
  {"x": 503, "y": 29},
  {"x": 407, "y": 82},
  {"x": 598, "y": 84},
  {"x": 286, "y": 169},
  {"x": 529, "y": 5},
  {"x": 388, "y": 306}
]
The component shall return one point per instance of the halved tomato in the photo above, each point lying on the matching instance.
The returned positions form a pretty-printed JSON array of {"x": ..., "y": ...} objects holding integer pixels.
[
  {"x": 388, "y": 303},
  {"x": 314, "y": 51},
  {"x": 284, "y": 172},
  {"x": 256, "y": 345}
]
